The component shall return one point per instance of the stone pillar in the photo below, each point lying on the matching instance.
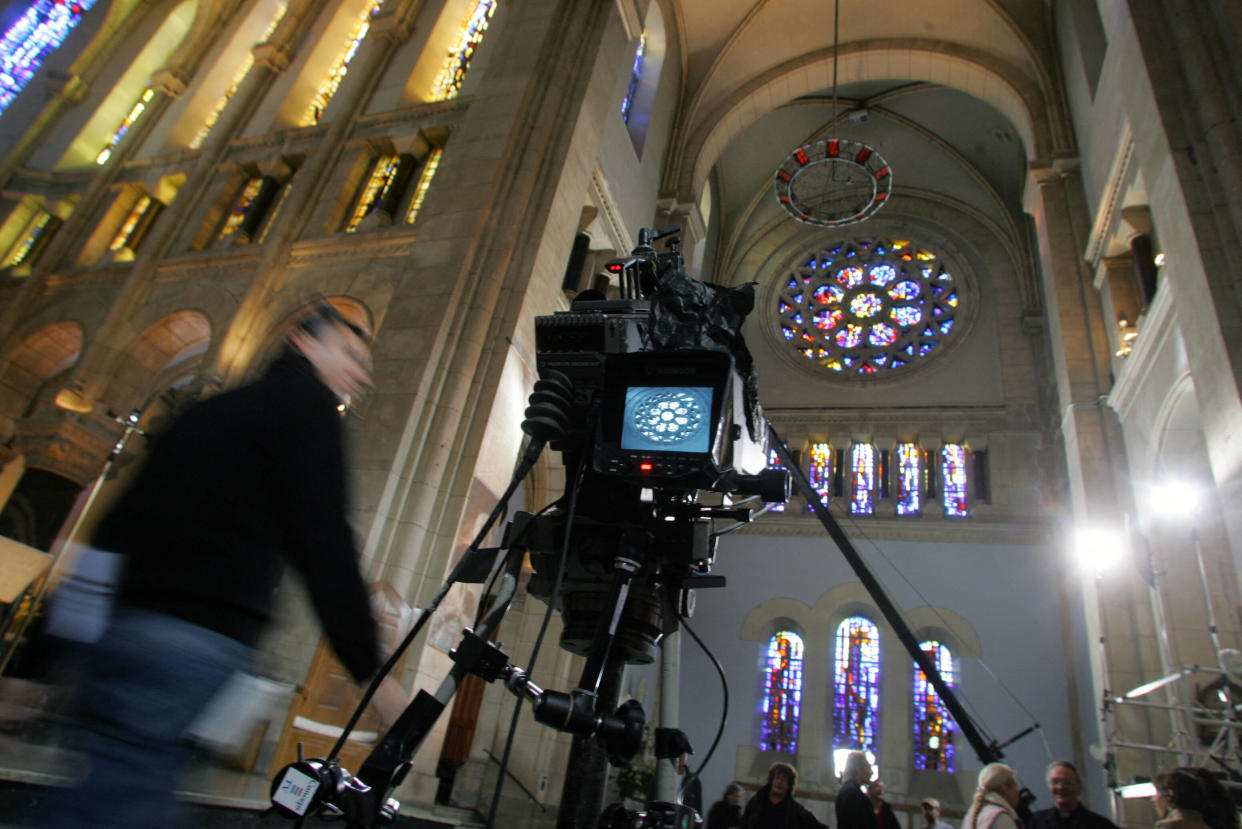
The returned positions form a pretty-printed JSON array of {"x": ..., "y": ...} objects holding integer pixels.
[
  {"x": 1115, "y": 604},
  {"x": 496, "y": 229}
]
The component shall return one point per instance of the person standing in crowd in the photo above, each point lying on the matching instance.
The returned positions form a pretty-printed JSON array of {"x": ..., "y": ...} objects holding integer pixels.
[
  {"x": 931, "y": 814},
  {"x": 774, "y": 807},
  {"x": 1067, "y": 810},
  {"x": 1179, "y": 800},
  {"x": 884, "y": 817},
  {"x": 996, "y": 798},
  {"x": 726, "y": 813},
  {"x": 1219, "y": 810},
  {"x": 242, "y": 483},
  {"x": 853, "y": 807}
]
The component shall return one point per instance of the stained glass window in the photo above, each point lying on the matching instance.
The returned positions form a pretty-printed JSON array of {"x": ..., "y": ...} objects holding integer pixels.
[
  {"x": 135, "y": 112},
  {"x": 126, "y": 232},
  {"x": 774, "y": 462},
  {"x": 953, "y": 469},
  {"x": 909, "y": 479},
  {"x": 635, "y": 75},
  {"x": 424, "y": 182},
  {"x": 240, "y": 206},
  {"x": 383, "y": 171},
  {"x": 862, "y": 491},
  {"x": 453, "y": 75},
  {"x": 314, "y": 111},
  {"x": 31, "y": 38},
  {"x": 933, "y": 729},
  {"x": 868, "y": 305},
  {"x": 782, "y": 695},
  {"x": 26, "y": 242},
  {"x": 819, "y": 470},
  {"x": 856, "y": 686},
  {"x": 243, "y": 69}
]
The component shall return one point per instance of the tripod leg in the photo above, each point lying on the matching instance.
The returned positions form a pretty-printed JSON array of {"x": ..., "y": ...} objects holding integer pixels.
[{"x": 587, "y": 770}]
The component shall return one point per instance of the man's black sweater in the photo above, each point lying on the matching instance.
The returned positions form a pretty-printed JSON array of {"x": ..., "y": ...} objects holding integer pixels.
[{"x": 241, "y": 483}]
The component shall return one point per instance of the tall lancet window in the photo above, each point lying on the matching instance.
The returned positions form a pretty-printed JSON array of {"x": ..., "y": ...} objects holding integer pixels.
[
  {"x": 953, "y": 469},
  {"x": 856, "y": 686},
  {"x": 31, "y": 38},
  {"x": 243, "y": 69},
  {"x": 933, "y": 729},
  {"x": 909, "y": 479},
  {"x": 314, "y": 111},
  {"x": 453, "y": 75},
  {"x": 424, "y": 184},
  {"x": 636, "y": 75},
  {"x": 782, "y": 693},
  {"x": 135, "y": 112},
  {"x": 819, "y": 470},
  {"x": 862, "y": 492}
]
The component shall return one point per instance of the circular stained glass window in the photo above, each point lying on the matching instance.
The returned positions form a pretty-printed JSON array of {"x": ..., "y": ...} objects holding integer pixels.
[{"x": 868, "y": 306}]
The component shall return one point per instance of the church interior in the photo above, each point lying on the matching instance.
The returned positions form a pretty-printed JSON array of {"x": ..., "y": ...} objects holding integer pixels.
[{"x": 987, "y": 242}]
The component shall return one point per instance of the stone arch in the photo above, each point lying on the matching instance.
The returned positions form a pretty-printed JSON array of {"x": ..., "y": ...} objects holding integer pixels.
[
  {"x": 157, "y": 355},
  {"x": 42, "y": 356},
  {"x": 1002, "y": 86}
]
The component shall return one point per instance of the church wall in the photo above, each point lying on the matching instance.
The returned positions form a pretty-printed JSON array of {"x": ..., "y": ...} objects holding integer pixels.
[{"x": 1016, "y": 621}]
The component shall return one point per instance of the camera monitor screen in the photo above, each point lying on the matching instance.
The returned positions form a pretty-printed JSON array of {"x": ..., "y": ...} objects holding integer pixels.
[{"x": 667, "y": 419}]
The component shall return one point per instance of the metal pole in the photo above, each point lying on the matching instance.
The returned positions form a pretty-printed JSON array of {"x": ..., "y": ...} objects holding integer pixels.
[
  {"x": 670, "y": 674},
  {"x": 61, "y": 545}
]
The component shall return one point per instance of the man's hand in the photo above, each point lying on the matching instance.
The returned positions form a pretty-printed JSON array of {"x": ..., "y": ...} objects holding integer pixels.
[{"x": 389, "y": 702}]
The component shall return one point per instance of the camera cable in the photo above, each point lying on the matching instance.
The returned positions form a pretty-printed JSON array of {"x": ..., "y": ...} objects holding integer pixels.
[
  {"x": 571, "y": 511},
  {"x": 724, "y": 706}
]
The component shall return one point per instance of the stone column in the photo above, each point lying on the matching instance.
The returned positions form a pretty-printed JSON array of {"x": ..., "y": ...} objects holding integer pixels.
[
  {"x": 1116, "y": 603},
  {"x": 493, "y": 237}
]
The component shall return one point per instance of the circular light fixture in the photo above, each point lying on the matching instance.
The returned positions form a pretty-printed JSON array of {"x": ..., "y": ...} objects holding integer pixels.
[{"x": 833, "y": 182}]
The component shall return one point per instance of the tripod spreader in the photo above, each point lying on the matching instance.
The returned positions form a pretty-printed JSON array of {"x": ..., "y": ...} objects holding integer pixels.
[{"x": 619, "y": 733}]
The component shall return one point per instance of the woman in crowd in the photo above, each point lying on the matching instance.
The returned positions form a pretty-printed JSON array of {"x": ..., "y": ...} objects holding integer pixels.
[
  {"x": 1179, "y": 800},
  {"x": 995, "y": 800}
]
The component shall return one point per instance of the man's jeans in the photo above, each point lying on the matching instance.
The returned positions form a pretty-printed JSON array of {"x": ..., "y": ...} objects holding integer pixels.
[{"x": 144, "y": 682}]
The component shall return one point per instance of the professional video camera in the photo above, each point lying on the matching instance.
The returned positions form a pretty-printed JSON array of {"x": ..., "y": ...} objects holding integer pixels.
[{"x": 651, "y": 399}]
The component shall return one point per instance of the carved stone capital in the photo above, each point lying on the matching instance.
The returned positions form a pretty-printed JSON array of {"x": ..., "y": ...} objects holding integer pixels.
[
  {"x": 169, "y": 81},
  {"x": 276, "y": 58},
  {"x": 394, "y": 28},
  {"x": 66, "y": 85}
]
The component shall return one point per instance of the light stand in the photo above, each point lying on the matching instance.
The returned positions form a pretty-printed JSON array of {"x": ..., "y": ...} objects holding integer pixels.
[{"x": 61, "y": 545}]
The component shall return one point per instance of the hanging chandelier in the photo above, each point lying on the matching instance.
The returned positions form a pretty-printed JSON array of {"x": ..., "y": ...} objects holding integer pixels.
[{"x": 833, "y": 181}]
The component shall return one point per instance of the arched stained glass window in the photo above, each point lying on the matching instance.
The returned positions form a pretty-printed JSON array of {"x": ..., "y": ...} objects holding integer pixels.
[
  {"x": 909, "y": 479},
  {"x": 453, "y": 75},
  {"x": 856, "y": 686},
  {"x": 329, "y": 85},
  {"x": 424, "y": 184},
  {"x": 31, "y": 38},
  {"x": 933, "y": 729},
  {"x": 819, "y": 470},
  {"x": 862, "y": 490},
  {"x": 782, "y": 693},
  {"x": 636, "y": 75},
  {"x": 953, "y": 469}
]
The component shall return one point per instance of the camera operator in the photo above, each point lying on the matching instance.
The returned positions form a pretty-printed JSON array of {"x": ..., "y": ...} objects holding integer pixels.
[{"x": 241, "y": 483}]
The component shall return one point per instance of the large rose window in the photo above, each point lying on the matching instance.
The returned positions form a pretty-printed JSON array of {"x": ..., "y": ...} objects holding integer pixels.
[{"x": 867, "y": 306}]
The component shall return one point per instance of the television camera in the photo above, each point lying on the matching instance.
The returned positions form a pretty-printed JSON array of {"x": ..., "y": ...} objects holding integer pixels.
[{"x": 651, "y": 400}]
